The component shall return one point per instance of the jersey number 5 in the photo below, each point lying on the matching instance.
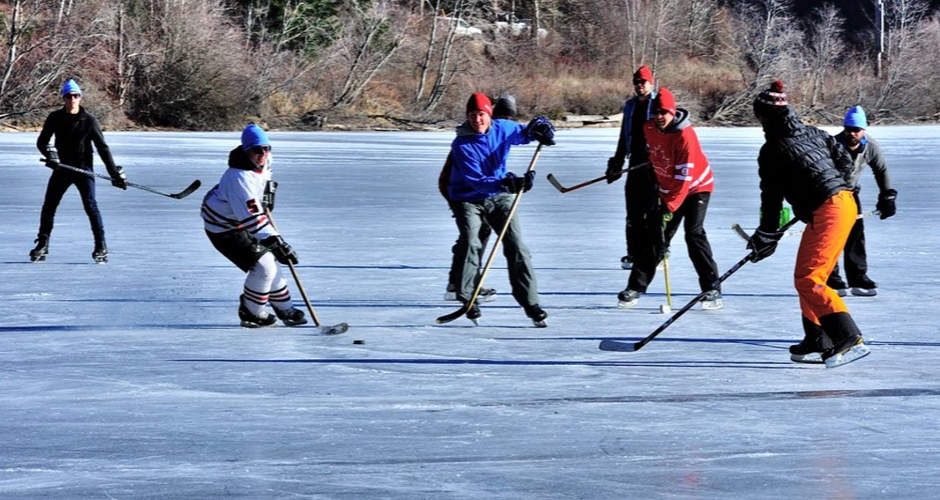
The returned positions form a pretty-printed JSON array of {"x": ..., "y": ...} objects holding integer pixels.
[{"x": 253, "y": 206}]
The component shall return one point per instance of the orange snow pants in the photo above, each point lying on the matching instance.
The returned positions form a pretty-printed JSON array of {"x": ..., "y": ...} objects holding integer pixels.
[{"x": 823, "y": 240}]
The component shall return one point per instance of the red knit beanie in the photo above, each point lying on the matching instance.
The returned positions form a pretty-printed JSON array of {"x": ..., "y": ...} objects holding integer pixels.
[
  {"x": 665, "y": 100},
  {"x": 479, "y": 102},
  {"x": 643, "y": 73}
]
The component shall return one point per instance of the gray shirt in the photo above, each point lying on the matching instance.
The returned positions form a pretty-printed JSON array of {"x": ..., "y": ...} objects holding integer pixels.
[{"x": 869, "y": 154}]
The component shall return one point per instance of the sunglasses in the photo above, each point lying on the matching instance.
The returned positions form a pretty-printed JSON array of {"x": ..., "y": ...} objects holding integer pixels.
[
  {"x": 661, "y": 112},
  {"x": 259, "y": 150},
  {"x": 73, "y": 96},
  {"x": 854, "y": 130},
  {"x": 639, "y": 82}
]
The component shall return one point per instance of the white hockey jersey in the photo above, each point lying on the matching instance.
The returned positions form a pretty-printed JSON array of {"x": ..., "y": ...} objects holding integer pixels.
[{"x": 235, "y": 203}]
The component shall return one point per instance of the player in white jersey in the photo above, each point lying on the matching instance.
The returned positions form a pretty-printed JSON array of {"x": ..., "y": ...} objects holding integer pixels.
[{"x": 236, "y": 221}]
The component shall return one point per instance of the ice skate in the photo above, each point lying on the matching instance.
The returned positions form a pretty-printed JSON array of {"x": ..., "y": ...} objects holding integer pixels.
[
  {"x": 852, "y": 349},
  {"x": 626, "y": 262},
  {"x": 100, "y": 253},
  {"x": 537, "y": 315},
  {"x": 712, "y": 301},
  {"x": 39, "y": 253},
  {"x": 864, "y": 287},
  {"x": 838, "y": 285},
  {"x": 806, "y": 351},
  {"x": 291, "y": 317},
  {"x": 474, "y": 314},
  {"x": 249, "y": 320},
  {"x": 628, "y": 298}
]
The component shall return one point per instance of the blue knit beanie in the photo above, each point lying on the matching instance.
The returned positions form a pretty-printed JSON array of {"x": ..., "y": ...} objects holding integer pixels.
[
  {"x": 71, "y": 87},
  {"x": 855, "y": 118},
  {"x": 254, "y": 135}
]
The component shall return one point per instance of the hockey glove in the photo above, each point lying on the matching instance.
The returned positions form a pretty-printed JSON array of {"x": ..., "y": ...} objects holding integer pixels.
[
  {"x": 267, "y": 201},
  {"x": 281, "y": 250},
  {"x": 52, "y": 157},
  {"x": 118, "y": 177},
  {"x": 540, "y": 129},
  {"x": 886, "y": 203},
  {"x": 512, "y": 183},
  {"x": 763, "y": 244},
  {"x": 614, "y": 169}
]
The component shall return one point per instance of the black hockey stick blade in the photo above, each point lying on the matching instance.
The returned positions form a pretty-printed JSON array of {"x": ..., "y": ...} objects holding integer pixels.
[
  {"x": 554, "y": 182},
  {"x": 188, "y": 191},
  {"x": 447, "y": 318},
  {"x": 617, "y": 345}
]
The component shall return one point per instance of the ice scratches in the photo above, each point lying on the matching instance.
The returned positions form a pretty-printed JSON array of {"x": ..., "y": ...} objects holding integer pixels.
[{"x": 729, "y": 396}]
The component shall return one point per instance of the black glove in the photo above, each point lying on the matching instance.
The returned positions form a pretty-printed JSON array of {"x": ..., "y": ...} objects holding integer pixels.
[
  {"x": 763, "y": 244},
  {"x": 118, "y": 177},
  {"x": 267, "y": 201},
  {"x": 614, "y": 169},
  {"x": 52, "y": 157},
  {"x": 540, "y": 129},
  {"x": 512, "y": 183},
  {"x": 281, "y": 250},
  {"x": 886, "y": 203}
]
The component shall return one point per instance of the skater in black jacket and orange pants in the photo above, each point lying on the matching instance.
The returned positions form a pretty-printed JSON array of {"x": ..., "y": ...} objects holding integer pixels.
[{"x": 810, "y": 170}]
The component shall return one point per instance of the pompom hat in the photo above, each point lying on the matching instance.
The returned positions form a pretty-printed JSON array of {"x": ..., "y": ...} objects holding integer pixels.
[{"x": 772, "y": 101}]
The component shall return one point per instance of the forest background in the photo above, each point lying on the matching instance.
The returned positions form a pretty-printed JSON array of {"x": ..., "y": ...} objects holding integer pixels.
[{"x": 215, "y": 64}]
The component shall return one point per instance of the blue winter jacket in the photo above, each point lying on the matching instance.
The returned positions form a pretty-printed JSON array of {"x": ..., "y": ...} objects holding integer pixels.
[{"x": 479, "y": 160}]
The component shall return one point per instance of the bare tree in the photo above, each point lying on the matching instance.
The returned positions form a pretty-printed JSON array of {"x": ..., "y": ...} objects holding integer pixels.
[{"x": 824, "y": 40}]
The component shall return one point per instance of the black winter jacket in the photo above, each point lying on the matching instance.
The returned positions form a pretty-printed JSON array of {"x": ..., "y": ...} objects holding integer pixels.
[
  {"x": 74, "y": 135},
  {"x": 799, "y": 163}
]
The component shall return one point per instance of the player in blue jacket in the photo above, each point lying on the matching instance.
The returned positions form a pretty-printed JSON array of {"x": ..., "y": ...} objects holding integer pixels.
[{"x": 482, "y": 191}]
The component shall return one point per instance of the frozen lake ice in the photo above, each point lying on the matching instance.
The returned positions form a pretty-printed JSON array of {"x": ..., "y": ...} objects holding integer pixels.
[{"x": 134, "y": 380}]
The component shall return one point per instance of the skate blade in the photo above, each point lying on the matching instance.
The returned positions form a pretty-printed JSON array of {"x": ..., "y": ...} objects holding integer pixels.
[
  {"x": 811, "y": 358},
  {"x": 712, "y": 305},
  {"x": 540, "y": 324},
  {"x": 864, "y": 292},
  {"x": 856, "y": 353},
  {"x": 335, "y": 329},
  {"x": 626, "y": 304}
]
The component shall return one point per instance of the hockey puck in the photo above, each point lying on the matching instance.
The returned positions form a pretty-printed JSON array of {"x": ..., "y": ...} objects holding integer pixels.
[{"x": 359, "y": 342}]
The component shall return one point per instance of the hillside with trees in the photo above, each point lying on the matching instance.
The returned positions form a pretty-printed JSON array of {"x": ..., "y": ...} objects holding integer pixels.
[{"x": 213, "y": 64}]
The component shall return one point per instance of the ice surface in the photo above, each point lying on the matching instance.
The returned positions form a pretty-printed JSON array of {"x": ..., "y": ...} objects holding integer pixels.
[{"x": 134, "y": 380}]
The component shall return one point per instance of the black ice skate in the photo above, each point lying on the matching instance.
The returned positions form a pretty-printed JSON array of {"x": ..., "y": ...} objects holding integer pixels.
[
  {"x": 537, "y": 315},
  {"x": 39, "y": 253},
  {"x": 249, "y": 320},
  {"x": 291, "y": 317},
  {"x": 100, "y": 253},
  {"x": 712, "y": 300},
  {"x": 474, "y": 314},
  {"x": 628, "y": 298},
  {"x": 864, "y": 287}
]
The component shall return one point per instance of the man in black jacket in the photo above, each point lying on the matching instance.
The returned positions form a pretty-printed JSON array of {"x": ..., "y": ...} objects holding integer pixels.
[
  {"x": 809, "y": 169},
  {"x": 75, "y": 131}
]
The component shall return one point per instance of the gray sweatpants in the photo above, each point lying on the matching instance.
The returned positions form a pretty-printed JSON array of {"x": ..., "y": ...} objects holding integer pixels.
[{"x": 493, "y": 211}]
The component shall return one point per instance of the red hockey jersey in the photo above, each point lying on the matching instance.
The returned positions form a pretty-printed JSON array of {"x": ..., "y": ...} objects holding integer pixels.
[{"x": 680, "y": 165}]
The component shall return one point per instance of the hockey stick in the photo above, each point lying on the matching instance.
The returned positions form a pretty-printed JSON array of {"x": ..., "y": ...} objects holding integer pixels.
[
  {"x": 332, "y": 330},
  {"x": 447, "y": 318},
  {"x": 178, "y": 196},
  {"x": 668, "y": 305},
  {"x": 616, "y": 345},
  {"x": 746, "y": 237},
  {"x": 554, "y": 181}
]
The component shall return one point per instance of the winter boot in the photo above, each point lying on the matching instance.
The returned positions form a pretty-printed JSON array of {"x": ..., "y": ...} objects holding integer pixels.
[
  {"x": 835, "y": 282},
  {"x": 847, "y": 343},
  {"x": 39, "y": 253},
  {"x": 291, "y": 317},
  {"x": 100, "y": 253},
  {"x": 537, "y": 315},
  {"x": 249, "y": 320},
  {"x": 712, "y": 300},
  {"x": 810, "y": 349},
  {"x": 628, "y": 298},
  {"x": 864, "y": 287}
]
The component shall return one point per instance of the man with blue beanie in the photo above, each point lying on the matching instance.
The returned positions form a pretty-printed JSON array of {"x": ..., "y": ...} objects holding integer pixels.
[
  {"x": 864, "y": 151},
  {"x": 75, "y": 131},
  {"x": 235, "y": 216}
]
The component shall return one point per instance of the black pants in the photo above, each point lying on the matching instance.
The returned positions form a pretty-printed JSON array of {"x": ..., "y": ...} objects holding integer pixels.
[
  {"x": 691, "y": 214},
  {"x": 641, "y": 198},
  {"x": 854, "y": 255},
  {"x": 59, "y": 182}
]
